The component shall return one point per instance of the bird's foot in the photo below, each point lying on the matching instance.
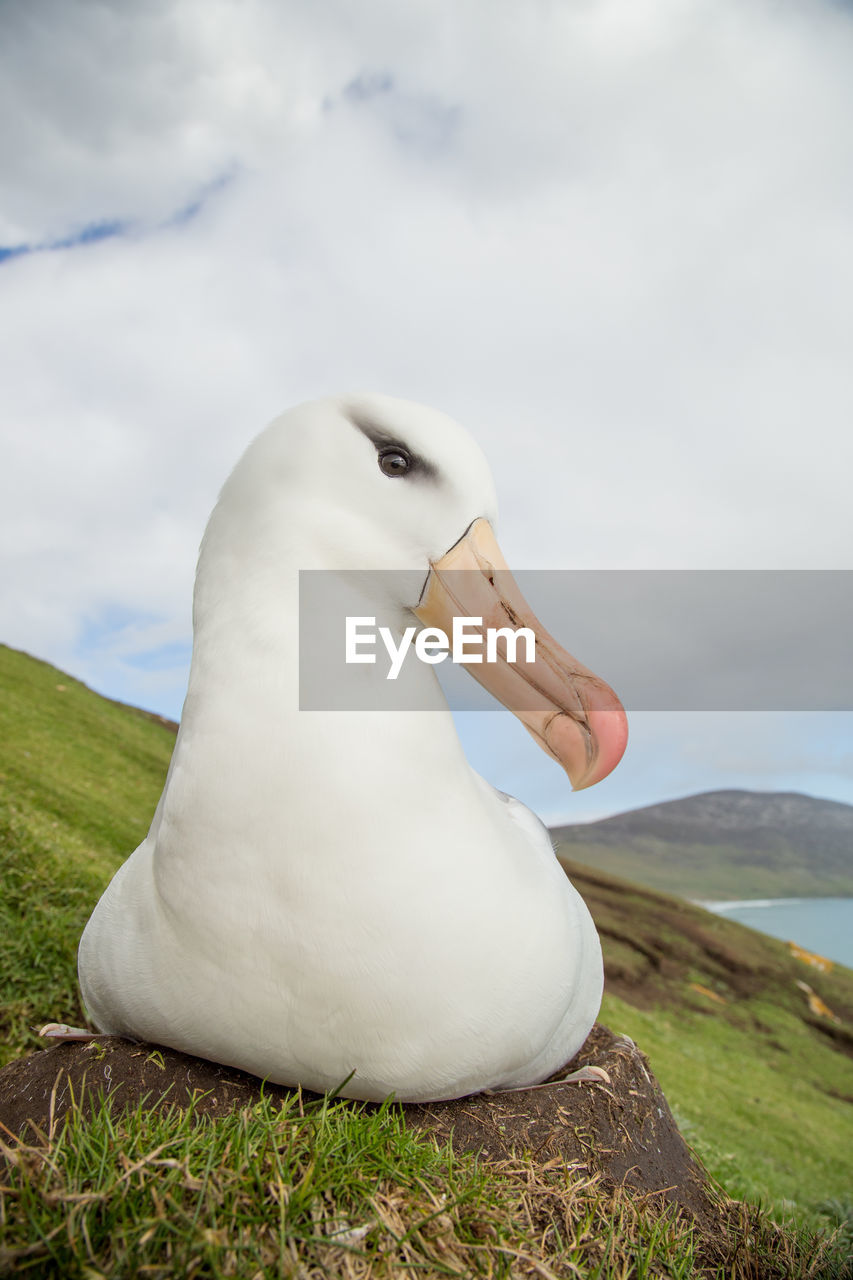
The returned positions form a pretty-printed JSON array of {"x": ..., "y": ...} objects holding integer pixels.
[
  {"x": 61, "y": 1031},
  {"x": 596, "y": 1074}
]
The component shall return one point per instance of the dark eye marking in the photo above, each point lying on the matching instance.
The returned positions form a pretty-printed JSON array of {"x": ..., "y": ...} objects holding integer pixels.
[
  {"x": 394, "y": 461},
  {"x": 395, "y": 458}
]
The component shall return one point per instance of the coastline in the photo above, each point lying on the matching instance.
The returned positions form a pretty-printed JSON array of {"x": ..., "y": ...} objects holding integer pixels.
[{"x": 821, "y": 925}]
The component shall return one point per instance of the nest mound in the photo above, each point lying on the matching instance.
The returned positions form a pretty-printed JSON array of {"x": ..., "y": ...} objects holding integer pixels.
[{"x": 621, "y": 1128}]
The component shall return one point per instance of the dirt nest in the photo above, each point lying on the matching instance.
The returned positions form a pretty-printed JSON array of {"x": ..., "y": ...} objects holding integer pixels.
[{"x": 623, "y": 1129}]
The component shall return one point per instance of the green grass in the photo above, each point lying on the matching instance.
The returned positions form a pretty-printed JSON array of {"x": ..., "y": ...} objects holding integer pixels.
[
  {"x": 710, "y": 872},
  {"x": 339, "y": 1189},
  {"x": 765, "y": 1124},
  {"x": 79, "y": 781}
]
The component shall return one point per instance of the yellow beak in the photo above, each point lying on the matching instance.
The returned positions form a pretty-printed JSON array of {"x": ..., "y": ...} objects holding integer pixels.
[{"x": 571, "y": 713}]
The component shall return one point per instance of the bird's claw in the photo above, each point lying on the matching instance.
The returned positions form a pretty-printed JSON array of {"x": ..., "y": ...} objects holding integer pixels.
[
  {"x": 62, "y": 1031},
  {"x": 596, "y": 1074}
]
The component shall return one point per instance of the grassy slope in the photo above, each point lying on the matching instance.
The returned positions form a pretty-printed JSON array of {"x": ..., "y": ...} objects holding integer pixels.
[
  {"x": 79, "y": 781},
  {"x": 714, "y": 872},
  {"x": 710, "y": 872},
  {"x": 761, "y": 1086}
]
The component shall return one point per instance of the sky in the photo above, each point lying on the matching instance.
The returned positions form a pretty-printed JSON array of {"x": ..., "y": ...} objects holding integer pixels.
[{"x": 611, "y": 237}]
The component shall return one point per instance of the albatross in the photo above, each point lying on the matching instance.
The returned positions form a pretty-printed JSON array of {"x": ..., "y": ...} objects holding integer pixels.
[{"x": 334, "y": 898}]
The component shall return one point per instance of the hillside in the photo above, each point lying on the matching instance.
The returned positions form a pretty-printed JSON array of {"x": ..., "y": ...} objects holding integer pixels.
[
  {"x": 80, "y": 777},
  {"x": 744, "y": 1059},
  {"x": 759, "y": 1082},
  {"x": 723, "y": 845}
]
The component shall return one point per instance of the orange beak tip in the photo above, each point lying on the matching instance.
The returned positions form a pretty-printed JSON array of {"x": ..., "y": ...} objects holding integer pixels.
[
  {"x": 610, "y": 733},
  {"x": 588, "y": 755}
]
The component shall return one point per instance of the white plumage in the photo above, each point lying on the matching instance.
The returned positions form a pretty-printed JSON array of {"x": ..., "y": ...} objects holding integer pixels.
[{"x": 325, "y": 895}]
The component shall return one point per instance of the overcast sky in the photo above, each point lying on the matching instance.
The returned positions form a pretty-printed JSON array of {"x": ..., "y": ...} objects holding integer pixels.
[{"x": 612, "y": 237}]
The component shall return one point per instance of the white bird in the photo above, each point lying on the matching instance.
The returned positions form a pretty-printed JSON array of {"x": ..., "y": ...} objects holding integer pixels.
[{"x": 336, "y": 896}]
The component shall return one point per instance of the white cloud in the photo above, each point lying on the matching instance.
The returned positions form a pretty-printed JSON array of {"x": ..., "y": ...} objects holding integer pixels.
[{"x": 612, "y": 237}]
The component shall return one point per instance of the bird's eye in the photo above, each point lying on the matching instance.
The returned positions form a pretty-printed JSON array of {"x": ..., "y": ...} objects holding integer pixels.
[{"x": 394, "y": 462}]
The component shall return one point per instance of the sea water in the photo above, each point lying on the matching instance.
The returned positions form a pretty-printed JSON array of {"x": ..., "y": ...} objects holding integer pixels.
[{"x": 821, "y": 925}]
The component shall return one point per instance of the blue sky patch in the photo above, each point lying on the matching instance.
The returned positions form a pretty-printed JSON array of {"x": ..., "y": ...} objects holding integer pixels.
[
  {"x": 193, "y": 207},
  {"x": 91, "y": 233},
  {"x": 14, "y": 251},
  {"x": 96, "y": 232},
  {"x": 164, "y": 657},
  {"x": 101, "y": 630},
  {"x": 367, "y": 85},
  {"x": 122, "y": 634},
  {"x": 418, "y": 121}
]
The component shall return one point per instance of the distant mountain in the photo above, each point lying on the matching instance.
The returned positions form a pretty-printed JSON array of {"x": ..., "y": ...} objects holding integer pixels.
[{"x": 724, "y": 845}]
